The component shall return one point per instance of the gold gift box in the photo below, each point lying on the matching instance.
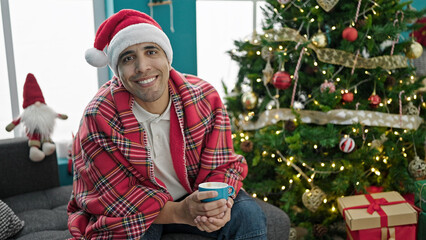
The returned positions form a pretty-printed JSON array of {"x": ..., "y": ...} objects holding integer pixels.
[{"x": 357, "y": 219}]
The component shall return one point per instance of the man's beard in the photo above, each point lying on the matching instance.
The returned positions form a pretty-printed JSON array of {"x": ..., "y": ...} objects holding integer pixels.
[{"x": 39, "y": 119}]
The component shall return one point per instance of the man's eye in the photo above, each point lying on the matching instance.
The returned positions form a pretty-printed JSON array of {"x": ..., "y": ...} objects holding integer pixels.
[
  {"x": 127, "y": 59},
  {"x": 152, "y": 52}
]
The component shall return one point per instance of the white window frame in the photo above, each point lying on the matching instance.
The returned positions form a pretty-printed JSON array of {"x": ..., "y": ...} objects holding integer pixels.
[{"x": 103, "y": 74}]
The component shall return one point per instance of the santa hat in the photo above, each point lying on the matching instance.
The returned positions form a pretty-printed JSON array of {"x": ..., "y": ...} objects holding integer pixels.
[
  {"x": 123, "y": 29},
  {"x": 32, "y": 91}
]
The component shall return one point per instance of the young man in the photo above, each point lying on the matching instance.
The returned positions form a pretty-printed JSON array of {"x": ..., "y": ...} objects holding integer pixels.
[{"x": 147, "y": 140}]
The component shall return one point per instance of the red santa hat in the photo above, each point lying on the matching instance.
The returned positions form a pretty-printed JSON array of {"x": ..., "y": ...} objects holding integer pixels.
[
  {"x": 32, "y": 91},
  {"x": 123, "y": 29}
]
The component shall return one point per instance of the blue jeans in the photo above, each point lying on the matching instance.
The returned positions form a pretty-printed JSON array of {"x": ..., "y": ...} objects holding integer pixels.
[{"x": 247, "y": 222}]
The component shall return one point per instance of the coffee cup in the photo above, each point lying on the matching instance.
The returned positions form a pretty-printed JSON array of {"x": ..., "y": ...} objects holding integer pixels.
[{"x": 223, "y": 190}]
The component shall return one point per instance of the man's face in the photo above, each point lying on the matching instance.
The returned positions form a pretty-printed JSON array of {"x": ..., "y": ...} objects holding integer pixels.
[{"x": 144, "y": 71}]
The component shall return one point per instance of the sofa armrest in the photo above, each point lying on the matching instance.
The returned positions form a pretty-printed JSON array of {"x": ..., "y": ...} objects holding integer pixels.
[{"x": 18, "y": 174}]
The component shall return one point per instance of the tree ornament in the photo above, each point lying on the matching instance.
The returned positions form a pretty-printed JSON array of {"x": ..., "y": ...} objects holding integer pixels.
[
  {"x": 290, "y": 125},
  {"x": 328, "y": 87},
  {"x": 390, "y": 82},
  {"x": 281, "y": 80},
  {"x": 293, "y": 234},
  {"x": 414, "y": 50},
  {"x": 266, "y": 53},
  {"x": 327, "y": 5},
  {"x": 268, "y": 72},
  {"x": 320, "y": 230},
  {"x": 350, "y": 34},
  {"x": 374, "y": 100},
  {"x": 249, "y": 100},
  {"x": 378, "y": 143},
  {"x": 246, "y": 146},
  {"x": 410, "y": 109},
  {"x": 348, "y": 97},
  {"x": 347, "y": 144},
  {"x": 313, "y": 199},
  {"x": 319, "y": 39},
  {"x": 360, "y": 23},
  {"x": 417, "y": 168}
]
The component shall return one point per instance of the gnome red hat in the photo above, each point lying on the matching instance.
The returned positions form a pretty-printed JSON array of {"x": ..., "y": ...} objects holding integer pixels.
[
  {"x": 32, "y": 91},
  {"x": 123, "y": 29}
]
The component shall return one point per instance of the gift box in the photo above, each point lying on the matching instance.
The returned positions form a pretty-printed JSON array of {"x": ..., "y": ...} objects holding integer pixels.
[
  {"x": 421, "y": 227},
  {"x": 378, "y": 215},
  {"x": 398, "y": 232},
  {"x": 420, "y": 194}
]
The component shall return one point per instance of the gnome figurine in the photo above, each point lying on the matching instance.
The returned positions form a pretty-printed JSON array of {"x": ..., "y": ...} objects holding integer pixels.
[{"x": 38, "y": 120}]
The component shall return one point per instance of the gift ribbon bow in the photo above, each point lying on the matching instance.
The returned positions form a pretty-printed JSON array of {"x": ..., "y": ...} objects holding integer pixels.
[{"x": 375, "y": 205}]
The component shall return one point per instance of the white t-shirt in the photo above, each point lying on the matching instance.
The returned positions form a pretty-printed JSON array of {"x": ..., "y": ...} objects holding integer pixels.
[{"x": 157, "y": 128}]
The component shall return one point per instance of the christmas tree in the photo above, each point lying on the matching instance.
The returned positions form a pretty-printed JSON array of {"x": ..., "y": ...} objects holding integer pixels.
[{"x": 328, "y": 104}]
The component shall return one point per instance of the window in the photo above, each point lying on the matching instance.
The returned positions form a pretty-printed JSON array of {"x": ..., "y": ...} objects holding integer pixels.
[
  {"x": 49, "y": 40},
  {"x": 219, "y": 23},
  {"x": 5, "y": 106}
]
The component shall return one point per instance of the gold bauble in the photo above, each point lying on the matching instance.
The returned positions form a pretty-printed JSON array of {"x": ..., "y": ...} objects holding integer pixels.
[
  {"x": 319, "y": 40},
  {"x": 414, "y": 50},
  {"x": 249, "y": 100},
  {"x": 313, "y": 199}
]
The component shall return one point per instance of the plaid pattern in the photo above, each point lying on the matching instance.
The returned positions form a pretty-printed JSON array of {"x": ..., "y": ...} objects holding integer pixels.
[{"x": 115, "y": 193}]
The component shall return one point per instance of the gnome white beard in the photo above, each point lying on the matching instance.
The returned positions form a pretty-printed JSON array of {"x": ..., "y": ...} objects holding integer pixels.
[{"x": 39, "y": 118}]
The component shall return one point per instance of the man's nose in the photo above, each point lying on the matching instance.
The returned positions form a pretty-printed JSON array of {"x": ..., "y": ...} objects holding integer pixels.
[{"x": 142, "y": 64}]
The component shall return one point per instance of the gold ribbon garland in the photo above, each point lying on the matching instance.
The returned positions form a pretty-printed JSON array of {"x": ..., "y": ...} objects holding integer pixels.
[
  {"x": 338, "y": 116},
  {"x": 343, "y": 58}
]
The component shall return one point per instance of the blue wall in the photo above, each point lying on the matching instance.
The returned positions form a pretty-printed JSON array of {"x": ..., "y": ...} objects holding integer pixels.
[
  {"x": 417, "y": 4},
  {"x": 183, "y": 39}
]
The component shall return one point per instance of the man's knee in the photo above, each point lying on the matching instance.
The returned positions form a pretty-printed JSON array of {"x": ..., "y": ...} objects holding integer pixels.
[
  {"x": 247, "y": 210},
  {"x": 248, "y": 218}
]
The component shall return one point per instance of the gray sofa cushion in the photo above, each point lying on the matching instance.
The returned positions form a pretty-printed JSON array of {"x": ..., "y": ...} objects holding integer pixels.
[
  {"x": 51, "y": 204},
  {"x": 10, "y": 224},
  {"x": 18, "y": 174}
]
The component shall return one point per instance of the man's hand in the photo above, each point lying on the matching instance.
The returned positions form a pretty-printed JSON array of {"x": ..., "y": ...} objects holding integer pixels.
[
  {"x": 193, "y": 206},
  {"x": 186, "y": 211},
  {"x": 211, "y": 224}
]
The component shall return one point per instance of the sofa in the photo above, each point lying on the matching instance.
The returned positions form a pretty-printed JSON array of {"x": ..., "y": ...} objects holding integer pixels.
[{"x": 33, "y": 204}]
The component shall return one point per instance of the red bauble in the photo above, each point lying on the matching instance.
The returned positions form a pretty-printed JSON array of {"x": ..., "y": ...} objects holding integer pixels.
[
  {"x": 347, "y": 144},
  {"x": 281, "y": 80},
  {"x": 374, "y": 100},
  {"x": 350, "y": 34},
  {"x": 348, "y": 97}
]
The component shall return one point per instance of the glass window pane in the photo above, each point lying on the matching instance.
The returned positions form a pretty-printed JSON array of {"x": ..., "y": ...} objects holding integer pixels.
[
  {"x": 5, "y": 106},
  {"x": 215, "y": 38},
  {"x": 50, "y": 38}
]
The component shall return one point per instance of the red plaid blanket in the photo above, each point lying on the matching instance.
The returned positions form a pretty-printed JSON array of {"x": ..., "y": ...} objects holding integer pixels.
[{"x": 115, "y": 193}]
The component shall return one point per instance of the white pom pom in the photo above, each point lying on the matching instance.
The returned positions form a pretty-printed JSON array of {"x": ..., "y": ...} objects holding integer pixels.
[{"x": 96, "y": 57}]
